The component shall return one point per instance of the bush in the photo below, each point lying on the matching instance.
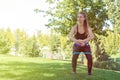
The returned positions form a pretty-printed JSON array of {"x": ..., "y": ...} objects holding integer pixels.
[
  {"x": 30, "y": 48},
  {"x": 110, "y": 65},
  {"x": 5, "y": 45}
]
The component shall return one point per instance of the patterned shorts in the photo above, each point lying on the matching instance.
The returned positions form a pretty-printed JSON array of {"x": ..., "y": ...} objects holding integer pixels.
[{"x": 77, "y": 49}]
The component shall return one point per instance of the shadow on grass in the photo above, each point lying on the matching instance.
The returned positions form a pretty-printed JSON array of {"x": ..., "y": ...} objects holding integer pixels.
[{"x": 17, "y": 70}]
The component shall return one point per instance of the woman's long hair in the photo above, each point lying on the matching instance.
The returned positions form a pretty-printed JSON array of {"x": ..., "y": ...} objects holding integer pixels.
[{"x": 85, "y": 24}]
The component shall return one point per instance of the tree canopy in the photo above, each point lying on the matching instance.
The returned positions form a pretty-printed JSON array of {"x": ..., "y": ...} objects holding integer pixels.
[{"x": 64, "y": 14}]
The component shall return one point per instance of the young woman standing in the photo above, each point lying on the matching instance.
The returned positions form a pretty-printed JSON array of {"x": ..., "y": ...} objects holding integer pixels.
[{"x": 81, "y": 34}]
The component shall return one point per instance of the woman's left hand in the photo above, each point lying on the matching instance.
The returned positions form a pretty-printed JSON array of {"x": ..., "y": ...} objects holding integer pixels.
[{"x": 82, "y": 44}]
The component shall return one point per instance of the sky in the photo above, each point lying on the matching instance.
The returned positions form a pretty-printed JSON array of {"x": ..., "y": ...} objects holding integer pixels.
[{"x": 20, "y": 14}]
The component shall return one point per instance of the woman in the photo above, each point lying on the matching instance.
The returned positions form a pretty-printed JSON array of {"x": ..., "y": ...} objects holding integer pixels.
[{"x": 81, "y": 34}]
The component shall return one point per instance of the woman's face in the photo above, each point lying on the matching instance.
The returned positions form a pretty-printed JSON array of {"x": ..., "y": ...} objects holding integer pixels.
[{"x": 80, "y": 18}]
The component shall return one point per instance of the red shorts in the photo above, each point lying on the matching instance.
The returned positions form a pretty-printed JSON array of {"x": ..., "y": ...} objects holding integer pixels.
[{"x": 79, "y": 48}]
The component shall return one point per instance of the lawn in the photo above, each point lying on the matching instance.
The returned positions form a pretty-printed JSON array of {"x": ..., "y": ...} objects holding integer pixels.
[{"x": 25, "y": 68}]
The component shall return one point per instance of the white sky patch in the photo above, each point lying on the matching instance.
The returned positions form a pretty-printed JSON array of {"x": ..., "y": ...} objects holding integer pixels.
[{"x": 20, "y": 14}]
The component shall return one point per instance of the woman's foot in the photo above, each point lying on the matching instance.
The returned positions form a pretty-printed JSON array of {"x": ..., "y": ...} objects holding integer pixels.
[
  {"x": 89, "y": 75},
  {"x": 73, "y": 72}
]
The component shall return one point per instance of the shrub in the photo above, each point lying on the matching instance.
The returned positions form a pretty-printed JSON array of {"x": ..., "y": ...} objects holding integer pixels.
[{"x": 110, "y": 65}]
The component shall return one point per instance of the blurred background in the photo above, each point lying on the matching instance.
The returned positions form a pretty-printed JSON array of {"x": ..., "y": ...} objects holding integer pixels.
[{"x": 40, "y": 28}]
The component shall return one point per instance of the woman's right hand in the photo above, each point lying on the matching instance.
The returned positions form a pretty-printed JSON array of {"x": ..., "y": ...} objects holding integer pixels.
[{"x": 80, "y": 42}]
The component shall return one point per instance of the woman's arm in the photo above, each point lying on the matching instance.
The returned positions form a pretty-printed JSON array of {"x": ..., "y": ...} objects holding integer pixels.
[
  {"x": 90, "y": 35},
  {"x": 71, "y": 35}
]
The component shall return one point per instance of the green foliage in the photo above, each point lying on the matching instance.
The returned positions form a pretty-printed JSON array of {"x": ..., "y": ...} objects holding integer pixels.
[
  {"x": 43, "y": 39},
  {"x": 54, "y": 41},
  {"x": 64, "y": 14},
  {"x": 113, "y": 14},
  {"x": 30, "y": 47},
  {"x": 10, "y": 36},
  {"x": 25, "y": 45},
  {"x": 110, "y": 65},
  {"x": 112, "y": 42},
  {"x": 100, "y": 52},
  {"x": 105, "y": 47},
  {"x": 5, "y": 43},
  {"x": 19, "y": 38}
]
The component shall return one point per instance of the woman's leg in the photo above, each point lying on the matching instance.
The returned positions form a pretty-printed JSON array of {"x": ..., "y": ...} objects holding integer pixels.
[
  {"x": 89, "y": 63},
  {"x": 74, "y": 62}
]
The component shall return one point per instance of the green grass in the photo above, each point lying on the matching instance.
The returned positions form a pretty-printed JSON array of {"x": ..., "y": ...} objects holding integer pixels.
[{"x": 25, "y": 68}]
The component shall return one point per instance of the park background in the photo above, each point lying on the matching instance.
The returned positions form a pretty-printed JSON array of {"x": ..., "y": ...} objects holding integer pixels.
[{"x": 34, "y": 43}]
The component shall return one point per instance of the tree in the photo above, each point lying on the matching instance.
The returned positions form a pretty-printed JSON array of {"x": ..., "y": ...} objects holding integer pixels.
[
  {"x": 20, "y": 37},
  {"x": 100, "y": 53},
  {"x": 43, "y": 39},
  {"x": 112, "y": 43},
  {"x": 5, "y": 43},
  {"x": 64, "y": 14},
  {"x": 30, "y": 47},
  {"x": 113, "y": 14},
  {"x": 114, "y": 17},
  {"x": 9, "y": 34},
  {"x": 54, "y": 42}
]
